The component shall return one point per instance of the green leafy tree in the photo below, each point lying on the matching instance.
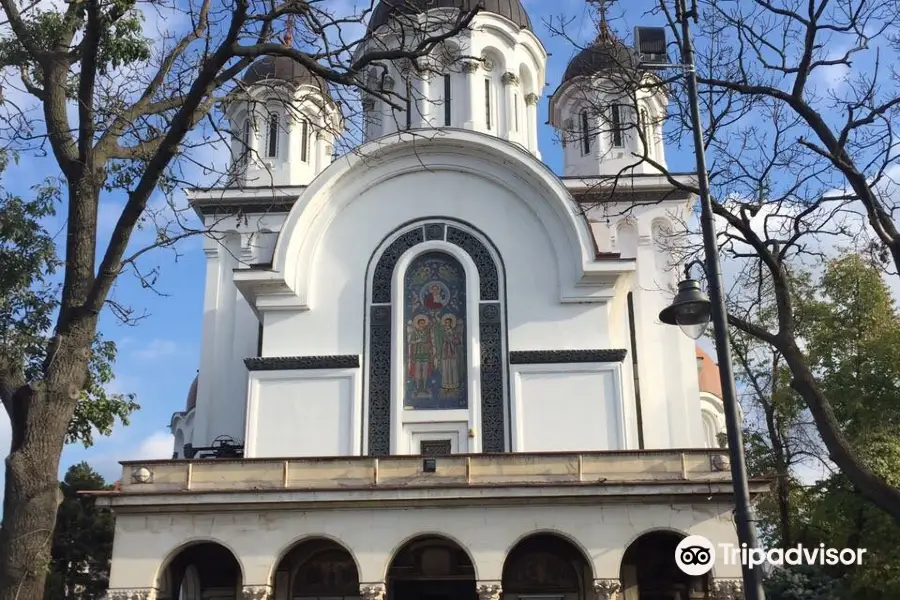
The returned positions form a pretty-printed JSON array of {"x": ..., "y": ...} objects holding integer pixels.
[
  {"x": 121, "y": 116},
  {"x": 850, "y": 329},
  {"x": 83, "y": 540},
  {"x": 28, "y": 302}
]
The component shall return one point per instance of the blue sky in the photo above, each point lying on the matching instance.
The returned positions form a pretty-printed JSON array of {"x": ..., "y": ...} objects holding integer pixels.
[{"x": 159, "y": 357}]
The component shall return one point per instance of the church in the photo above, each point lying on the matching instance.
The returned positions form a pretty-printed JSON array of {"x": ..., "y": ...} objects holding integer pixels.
[{"x": 432, "y": 368}]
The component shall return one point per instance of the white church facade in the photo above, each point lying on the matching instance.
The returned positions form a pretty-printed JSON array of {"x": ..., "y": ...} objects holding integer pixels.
[{"x": 431, "y": 368}]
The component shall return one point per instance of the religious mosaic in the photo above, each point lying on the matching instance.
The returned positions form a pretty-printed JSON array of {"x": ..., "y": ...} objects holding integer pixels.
[{"x": 434, "y": 310}]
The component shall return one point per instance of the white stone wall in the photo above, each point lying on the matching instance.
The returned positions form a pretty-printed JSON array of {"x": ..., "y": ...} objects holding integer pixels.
[
  {"x": 557, "y": 298},
  {"x": 144, "y": 544}
]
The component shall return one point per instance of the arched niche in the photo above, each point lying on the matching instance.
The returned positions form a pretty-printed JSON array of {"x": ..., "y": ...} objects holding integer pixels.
[
  {"x": 547, "y": 565},
  {"x": 431, "y": 565},
  {"x": 649, "y": 571},
  {"x": 200, "y": 570},
  {"x": 392, "y": 326},
  {"x": 316, "y": 568}
]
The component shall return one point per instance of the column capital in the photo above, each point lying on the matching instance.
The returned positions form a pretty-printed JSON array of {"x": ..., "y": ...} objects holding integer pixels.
[
  {"x": 470, "y": 66},
  {"x": 728, "y": 589},
  {"x": 256, "y": 592},
  {"x": 131, "y": 594},
  {"x": 531, "y": 99},
  {"x": 510, "y": 78},
  {"x": 488, "y": 590},
  {"x": 372, "y": 591},
  {"x": 607, "y": 589}
]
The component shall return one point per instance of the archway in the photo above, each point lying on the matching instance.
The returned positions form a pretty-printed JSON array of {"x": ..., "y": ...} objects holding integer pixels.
[
  {"x": 649, "y": 571},
  {"x": 549, "y": 566},
  {"x": 201, "y": 571},
  {"x": 431, "y": 568},
  {"x": 317, "y": 568}
]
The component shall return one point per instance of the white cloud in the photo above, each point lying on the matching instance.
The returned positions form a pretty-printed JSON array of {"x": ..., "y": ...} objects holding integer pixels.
[
  {"x": 158, "y": 445},
  {"x": 157, "y": 349}
]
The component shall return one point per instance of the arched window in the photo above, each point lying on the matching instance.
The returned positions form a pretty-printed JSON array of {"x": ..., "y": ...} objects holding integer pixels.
[
  {"x": 434, "y": 312},
  {"x": 304, "y": 140},
  {"x": 448, "y": 100},
  {"x": 615, "y": 120},
  {"x": 428, "y": 308},
  {"x": 272, "y": 145},
  {"x": 585, "y": 133}
]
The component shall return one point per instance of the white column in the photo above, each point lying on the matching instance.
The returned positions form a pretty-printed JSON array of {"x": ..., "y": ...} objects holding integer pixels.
[
  {"x": 206, "y": 381},
  {"x": 511, "y": 89},
  {"x": 469, "y": 96},
  {"x": 531, "y": 101},
  {"x": 424, "y": 100},
  {"x": 217, "y": 419}
]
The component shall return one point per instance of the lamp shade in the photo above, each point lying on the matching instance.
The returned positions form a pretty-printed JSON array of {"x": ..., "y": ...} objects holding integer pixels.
[{"x": 690, "y": 309}]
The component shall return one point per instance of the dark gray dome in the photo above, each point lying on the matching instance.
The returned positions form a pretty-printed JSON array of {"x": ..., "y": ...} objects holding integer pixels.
[
  {"x": 192, "y": 395},
  {"x": 606, "y": 53},
  {"x": 511, "y": 9},
  {"x": 282, "y": 68}
]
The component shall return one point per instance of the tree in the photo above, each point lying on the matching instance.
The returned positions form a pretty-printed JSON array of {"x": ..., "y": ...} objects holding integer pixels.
[
  {"x": 850, "y": 329},
  {"x": 121, "y": 116},
  {"x": 28, "y": 301},
  {"x": 800, "y": 100},
  {"x": 82, "y": 541}
]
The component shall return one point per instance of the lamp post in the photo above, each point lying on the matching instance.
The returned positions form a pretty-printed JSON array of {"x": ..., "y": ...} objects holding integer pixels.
[{"x": 692, "y": 311}]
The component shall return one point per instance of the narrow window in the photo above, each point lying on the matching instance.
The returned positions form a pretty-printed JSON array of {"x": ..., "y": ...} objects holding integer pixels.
[
  {"x": 304, "y": 140},
  {"x": 487, "y": 103},
  {"x": 245, "y": 145},
  {"x": 272, "y": 150},
  {"x": 409, "y": 104},
  {"x": 616, "y": 122},
  {"x": 448, "y": 107},
  {"x": 585, "y": 133}
]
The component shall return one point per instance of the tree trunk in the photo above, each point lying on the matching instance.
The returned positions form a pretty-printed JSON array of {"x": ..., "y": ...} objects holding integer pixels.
[
  {"x": 873, "y": 487},
  {"x": 40, "y": 416}
]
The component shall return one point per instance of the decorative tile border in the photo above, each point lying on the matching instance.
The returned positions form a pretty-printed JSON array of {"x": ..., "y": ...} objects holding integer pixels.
[
  {"x": 493, "y": 428},
  {"x": 304, "y": 363},
  {"x": 556, "y": 357}
]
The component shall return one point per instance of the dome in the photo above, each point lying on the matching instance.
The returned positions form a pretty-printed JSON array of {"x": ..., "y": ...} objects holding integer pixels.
[
  {"x": 270, "y": 68},
  {"x": 511, "y": 9},
  {"x": 192, "y": 395},
  {"x": 708, "y": 373},
  {"x": 606, "y": 53}
]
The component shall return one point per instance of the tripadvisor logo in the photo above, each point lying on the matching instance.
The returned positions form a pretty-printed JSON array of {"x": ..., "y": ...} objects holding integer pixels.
[{"x": 696, "y": 555}]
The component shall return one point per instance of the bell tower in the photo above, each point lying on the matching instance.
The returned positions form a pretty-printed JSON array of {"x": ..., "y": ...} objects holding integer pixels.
[{"x": 608, "y": 112}]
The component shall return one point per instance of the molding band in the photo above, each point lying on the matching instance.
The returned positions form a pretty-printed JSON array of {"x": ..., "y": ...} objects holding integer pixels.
[
  {"x": 557, "y": 357},
  {"x": 302, "y": 363}
]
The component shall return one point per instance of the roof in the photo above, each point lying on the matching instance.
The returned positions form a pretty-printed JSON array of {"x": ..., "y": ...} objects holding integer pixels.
[
  {"x": 511, "y": 9},
  {"x": 607, "y": 52},
  {"x": 282, "y": 68},
  {"x": 192, "y": 395},
  {"x": 708, "y": 373}
]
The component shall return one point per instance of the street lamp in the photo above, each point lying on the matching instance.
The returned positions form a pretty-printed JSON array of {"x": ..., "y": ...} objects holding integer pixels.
[{"x": 691, "y": 311}]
